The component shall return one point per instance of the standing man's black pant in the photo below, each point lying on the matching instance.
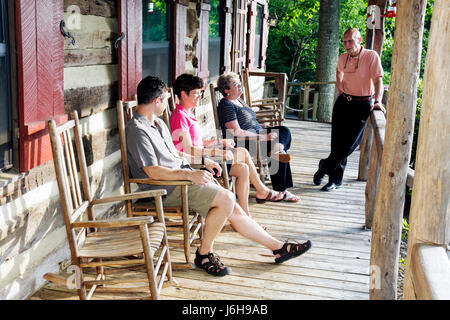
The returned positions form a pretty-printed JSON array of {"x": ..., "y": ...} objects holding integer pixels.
[{"x": 348, "y": 123}]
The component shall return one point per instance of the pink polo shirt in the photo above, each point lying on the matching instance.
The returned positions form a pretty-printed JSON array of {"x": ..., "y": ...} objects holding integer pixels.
[
  {"x": 359, "y": 81},
  {"x": 183, "y": 120}
]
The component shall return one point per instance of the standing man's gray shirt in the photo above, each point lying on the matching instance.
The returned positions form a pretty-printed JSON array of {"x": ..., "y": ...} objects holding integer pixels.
[{"x": 151, "y": 145}]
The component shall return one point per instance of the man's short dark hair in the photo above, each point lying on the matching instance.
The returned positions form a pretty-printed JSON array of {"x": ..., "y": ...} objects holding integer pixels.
[
  {"x": 187, "y": 82},
  {"x": 149, "y": 89}
]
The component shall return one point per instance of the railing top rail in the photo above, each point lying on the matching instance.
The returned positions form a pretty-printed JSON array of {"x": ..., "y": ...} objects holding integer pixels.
[{"x": 298, "y": 84}]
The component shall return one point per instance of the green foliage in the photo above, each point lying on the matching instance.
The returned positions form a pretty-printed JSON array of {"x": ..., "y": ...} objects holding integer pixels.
[
  {"x": 293, "y": 42},
  {"x": 214, "y": 19},
  {"x": 405, "y": 228},
  {"x": 295, "y": 37},
  {"x": 155, "y": 24}
]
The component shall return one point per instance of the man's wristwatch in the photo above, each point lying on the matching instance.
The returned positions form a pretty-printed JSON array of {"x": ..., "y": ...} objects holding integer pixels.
[{"x": 377, "y": 102}]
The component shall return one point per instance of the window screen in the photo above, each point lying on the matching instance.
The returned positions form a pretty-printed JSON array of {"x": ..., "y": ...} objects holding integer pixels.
[
  {"x": 258, "y": 34},
  {"x": 215, "y": 39},
  {"x": 156, "y": 59}
]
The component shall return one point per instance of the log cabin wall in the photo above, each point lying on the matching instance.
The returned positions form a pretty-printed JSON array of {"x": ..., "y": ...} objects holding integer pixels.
[{"x": 32, "y": 234}]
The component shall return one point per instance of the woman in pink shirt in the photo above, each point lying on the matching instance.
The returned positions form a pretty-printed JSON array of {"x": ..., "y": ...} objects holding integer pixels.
[{"x": 187, "y": 137}]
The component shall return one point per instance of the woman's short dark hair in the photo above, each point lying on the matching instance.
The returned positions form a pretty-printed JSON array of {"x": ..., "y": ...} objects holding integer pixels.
[
  {"x": 150, "y": 88},
  {"x": 187, "y": 82},
  {"x": 224, "y": 81}
]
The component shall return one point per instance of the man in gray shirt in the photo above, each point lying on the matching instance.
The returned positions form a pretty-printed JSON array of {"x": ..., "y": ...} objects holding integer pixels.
[{"x": 151, "y": 154}]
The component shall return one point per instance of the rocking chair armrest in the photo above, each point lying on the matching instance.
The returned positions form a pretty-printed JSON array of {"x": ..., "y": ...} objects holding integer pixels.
[
  {"x": 267, "y": 101},
  {"x": 269, "y": 120},
  {"x": 267, "y": 104},
  {"x": 262, "y": 114},
  {"x": 117, "y": 223},
  {"x": 163, "y": 182},
  {"x": 198, "y": 166},
  {"x": 131, "y": 196},
  {"x": 252, "y": 138}
]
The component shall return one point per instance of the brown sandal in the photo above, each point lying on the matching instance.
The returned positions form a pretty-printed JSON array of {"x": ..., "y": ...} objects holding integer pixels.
[{"x": 271, "y": 197}]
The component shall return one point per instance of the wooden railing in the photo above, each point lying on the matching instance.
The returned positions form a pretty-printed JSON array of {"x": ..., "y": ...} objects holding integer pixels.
[
  {"x": 304, "y": 104},
  {"x": 430, "y": 272},
  {"x": 377, "y": 123},
  {"x": 430, "y": 263}
]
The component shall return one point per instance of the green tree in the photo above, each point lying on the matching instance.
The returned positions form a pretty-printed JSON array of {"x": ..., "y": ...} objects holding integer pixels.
[
  {"x": 293, "y": 42},
  {"x": 327, "y": 54}
]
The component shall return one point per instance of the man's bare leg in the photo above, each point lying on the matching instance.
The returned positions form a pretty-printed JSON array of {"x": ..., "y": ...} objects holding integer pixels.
[
  {"x": 221, "y": 209},
  {"x": 250, "y": 229}
]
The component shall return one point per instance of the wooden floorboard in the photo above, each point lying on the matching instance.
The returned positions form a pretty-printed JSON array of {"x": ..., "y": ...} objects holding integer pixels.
[{"x": 336, "y": 267}]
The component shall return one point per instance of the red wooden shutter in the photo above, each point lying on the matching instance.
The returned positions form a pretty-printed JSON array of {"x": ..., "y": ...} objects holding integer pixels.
[
  {"x": 130, "y": 48},
  {"x": 203, "y": 39},
  {"x": 239, "y": 35},
  {"x": 40, "y": 64},
  {"x": 265, "y": 35},
  {"x": 179, "y": 37},
  {"x": 226, "y": 35},
  {"x": 251, "y": 35}
]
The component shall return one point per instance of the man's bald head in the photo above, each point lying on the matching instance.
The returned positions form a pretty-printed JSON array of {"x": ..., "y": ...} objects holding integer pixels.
[
  {"x": 353, "y": 32},
  {"x": 352, "y": 41}
]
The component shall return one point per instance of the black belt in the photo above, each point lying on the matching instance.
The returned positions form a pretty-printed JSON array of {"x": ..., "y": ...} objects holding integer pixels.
[{"x": 356, "y": 98}]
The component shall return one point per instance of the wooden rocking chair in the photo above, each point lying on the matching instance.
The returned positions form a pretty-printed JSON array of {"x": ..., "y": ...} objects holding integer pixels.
[
  {"x": 268, "y": 110},
  {"x": 107, "y": 245},
  {"x": 178, "y": 218}
]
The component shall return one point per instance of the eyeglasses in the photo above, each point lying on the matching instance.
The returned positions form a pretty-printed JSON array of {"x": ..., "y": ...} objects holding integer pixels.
[
  {"x": 357, "y": 63},
  {"x": 200, "y": 93}
]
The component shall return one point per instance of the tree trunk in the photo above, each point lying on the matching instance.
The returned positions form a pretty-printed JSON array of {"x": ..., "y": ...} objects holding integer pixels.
[
  {"x": 378, "y": 38},
  {"x": 327, "y": 56},
  {"x": 429, "y": 216},
  {"x": 386, "y": 231}
]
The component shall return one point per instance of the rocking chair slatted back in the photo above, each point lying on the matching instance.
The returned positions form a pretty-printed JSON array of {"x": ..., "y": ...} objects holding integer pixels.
[{"x": 90, "y": 245}]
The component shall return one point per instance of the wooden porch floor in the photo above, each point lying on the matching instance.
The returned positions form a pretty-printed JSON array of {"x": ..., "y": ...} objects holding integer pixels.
[{"x": 336, "y": 267}]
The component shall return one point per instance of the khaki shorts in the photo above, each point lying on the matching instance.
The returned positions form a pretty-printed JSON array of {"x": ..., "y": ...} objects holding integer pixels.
[{"x": 200, "y": 198}]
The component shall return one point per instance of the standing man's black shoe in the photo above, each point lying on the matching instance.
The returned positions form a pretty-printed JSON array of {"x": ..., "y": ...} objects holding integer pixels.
[
  {"x": 318, "y": 176},
  {"x": 331, "y": 186}
]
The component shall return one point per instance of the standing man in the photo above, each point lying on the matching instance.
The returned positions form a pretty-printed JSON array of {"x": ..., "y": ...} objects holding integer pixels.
[{"x": 359, "y": 77}]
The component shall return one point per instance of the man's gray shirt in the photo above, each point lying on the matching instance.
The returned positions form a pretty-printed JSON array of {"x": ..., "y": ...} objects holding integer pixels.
[{"x": 151, "y": 145}]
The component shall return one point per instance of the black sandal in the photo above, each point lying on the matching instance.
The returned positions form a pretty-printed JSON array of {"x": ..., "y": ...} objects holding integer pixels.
[
  {"x": 213, "y": 266},
  {"x": 295, "y": 250}
]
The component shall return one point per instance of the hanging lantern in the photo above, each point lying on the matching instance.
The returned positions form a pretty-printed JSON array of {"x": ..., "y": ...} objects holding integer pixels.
[
  {"x": 373, "y": 17},
  {"x": 392, "y": 9}
]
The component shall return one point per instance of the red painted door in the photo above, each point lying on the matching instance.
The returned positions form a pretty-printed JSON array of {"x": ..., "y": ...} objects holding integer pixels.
[
  {"x": 130, "y": 48},
  {"x": 40, "y": 64},
  {"x": 179, "y": 37}
]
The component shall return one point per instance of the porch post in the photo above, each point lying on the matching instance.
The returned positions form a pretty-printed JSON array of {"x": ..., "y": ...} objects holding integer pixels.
[
  {"x": 429, "y": 215},
  {"x": 387, "y": 220}
]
